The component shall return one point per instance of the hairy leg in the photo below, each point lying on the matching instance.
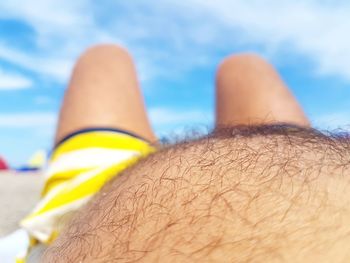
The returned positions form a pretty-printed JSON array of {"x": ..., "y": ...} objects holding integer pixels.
[
  {"x": 104, "y": 92},
  {"x": 249, "y": 194},
  {"x": 250, "y": 92}
]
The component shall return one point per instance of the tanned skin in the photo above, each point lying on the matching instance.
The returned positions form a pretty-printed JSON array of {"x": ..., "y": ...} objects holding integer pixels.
[{"x": 263, "y": 187}]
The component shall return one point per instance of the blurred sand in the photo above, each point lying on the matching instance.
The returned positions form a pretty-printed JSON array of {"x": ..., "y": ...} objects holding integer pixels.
[{"x": 19, "y": 192}]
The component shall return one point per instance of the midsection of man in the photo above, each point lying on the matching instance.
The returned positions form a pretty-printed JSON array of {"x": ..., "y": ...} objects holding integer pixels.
[{"x": 257, "y": 194}]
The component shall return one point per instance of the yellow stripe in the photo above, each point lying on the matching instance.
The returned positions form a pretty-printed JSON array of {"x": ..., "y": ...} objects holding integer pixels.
[
  {"x": 75, "y": 190},
  {"x": 101, "y": 139},
  {"x": 89, "y": 187},
  {"x": 59, "y": 178}
]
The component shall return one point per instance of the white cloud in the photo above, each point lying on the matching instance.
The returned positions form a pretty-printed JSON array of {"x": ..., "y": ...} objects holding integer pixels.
[
  {"x": 25, "y": 120},
  {"x": 310, "y": 28},
  {"x": 190, "y": 33},
  {"x": 57, "y": 68},
  {"x": 63, "y": 30},
  {"x": 50, "y": 17},
  {"x": 13, "y": 81}
]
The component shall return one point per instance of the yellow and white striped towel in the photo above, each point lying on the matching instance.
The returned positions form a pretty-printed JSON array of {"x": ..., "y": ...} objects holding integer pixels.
[{"x": 79, "y": 167}]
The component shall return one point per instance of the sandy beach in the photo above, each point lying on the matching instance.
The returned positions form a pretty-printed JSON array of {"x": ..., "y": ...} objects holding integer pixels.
[{"x": 18, "y": 194}]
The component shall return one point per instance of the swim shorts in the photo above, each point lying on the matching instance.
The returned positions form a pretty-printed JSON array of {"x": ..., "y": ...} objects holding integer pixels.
[{"x": 80, "y": 165}]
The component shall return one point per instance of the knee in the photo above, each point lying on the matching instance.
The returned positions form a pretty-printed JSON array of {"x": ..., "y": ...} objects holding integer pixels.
[
  {"x": 241, "y": 65},
  {"x": 105, "y": 53}
]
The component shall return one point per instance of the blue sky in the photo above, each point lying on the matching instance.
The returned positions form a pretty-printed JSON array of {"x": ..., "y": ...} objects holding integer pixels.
[{"x": 177, "y": 46}]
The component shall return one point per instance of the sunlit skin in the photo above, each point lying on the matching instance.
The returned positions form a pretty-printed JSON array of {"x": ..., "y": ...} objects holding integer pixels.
[{"x": 263, "y": 187}]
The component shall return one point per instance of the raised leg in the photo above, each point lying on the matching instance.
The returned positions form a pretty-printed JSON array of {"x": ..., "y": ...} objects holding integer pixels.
[
  {"x": 250, "y": 92},
  {"x": 104, "y": 92}
]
